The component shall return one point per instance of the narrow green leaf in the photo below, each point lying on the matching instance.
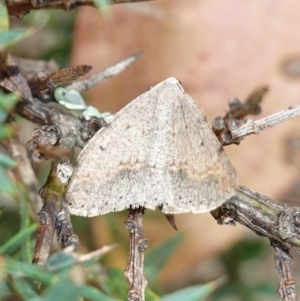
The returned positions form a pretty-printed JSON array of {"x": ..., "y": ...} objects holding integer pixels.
[
  {"x": 60, "y": 261},
  {"x": 3, "y": 115},
  {"x": 11, "y": 245},
  {"x": 150, "y": 295},
  {"x": 31, "y": 271},
  {"x": 24, "y": 203},
  {"x": 92, "y": 293},
  {"x": 6, "y": 161},
  {"x": 4, "y": 18},
  {"x": 157, "y": 257},
  {"x": 194, "y": 293},
  {"x": 8, "y": 101},
  {"x": 22, "y": 287},
  {"x": 6, "y": 131},
  {"x": 11, "y": 36},
  {"x": 118, "y": 287},
  {"x": 64, "y": 289},
  {"x": 6, "y": 185},
  {"x": 3, "y": 290}
]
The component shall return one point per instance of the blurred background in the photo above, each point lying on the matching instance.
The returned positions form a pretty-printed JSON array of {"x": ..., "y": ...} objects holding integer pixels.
[{"x": 218, "y": 50}]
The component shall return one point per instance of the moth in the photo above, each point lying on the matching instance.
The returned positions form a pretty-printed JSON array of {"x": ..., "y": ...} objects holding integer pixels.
[{"x": 158, "y": 151}]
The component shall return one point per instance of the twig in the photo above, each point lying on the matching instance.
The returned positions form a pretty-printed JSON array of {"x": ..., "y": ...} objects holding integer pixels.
[
  {"x": 256, "y": 126},
  {"x": 44, "y": 239},
  {"x": 54, "y": 214},
  {"x": 20, "y": 8},
  {"x": 266, "y": 217},
  {"x": 283, "y": 262},
  {"x": 134, "y": 271},
  {"x": 279, "y": 222},
  {"x": 111, "y": 71}
]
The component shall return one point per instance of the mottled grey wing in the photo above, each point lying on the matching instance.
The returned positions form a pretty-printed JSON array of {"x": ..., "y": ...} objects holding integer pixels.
[{"x": 158, "y": 151}]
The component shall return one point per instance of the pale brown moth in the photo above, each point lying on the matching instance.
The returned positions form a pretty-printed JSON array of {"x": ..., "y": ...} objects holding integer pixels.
[{"x": 158, "y": 151}]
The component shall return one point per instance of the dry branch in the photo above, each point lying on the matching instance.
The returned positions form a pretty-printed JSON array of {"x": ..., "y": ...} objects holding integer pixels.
[
  {"x": 98, "y": 78},
  {"x": 54, "y": 214},
  {"x": 138, "y": 244},
  {"x": 266, "y": 217},
  {"x": 256, "y": 126},
  {"x": 283, "y": 263},
  {"x": 280, "y": 223},
  {"x": 21, "y": 8}
]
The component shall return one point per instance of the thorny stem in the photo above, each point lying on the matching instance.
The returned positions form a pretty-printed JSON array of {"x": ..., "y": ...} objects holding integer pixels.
[
  {"x": 134, "y": 271},
  {"x": 283, "y": 262}
]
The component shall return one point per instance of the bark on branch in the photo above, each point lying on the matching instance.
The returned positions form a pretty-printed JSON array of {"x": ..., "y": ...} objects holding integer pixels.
[
  {"x": 21, "y": 8},
  {"x": 280, "y": 223},
  {"x": 138, "y": 244}
]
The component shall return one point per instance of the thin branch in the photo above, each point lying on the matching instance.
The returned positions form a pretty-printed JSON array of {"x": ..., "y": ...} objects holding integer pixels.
[
  {"x": 54, "y": 214},
  {"x": 256, "y": 126},
  {"x": 283, "y": 263},
  {"x": 134, "y": 271},
  {"x": 266, "y": 217},
  {"x": 278, "y": 222},
  {"x": 44, "y": 239},
  {"x": 21, "y": 8},
  {"x": 111, "y": 71}
]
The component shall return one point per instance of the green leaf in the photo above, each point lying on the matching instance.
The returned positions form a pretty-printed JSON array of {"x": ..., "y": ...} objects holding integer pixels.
[
  {"x": 115, "y": 284},
  {"x": 31, "y": 271},
  {"x": 22, "y": 287},
  {"x": 4, "y": 18},
  {"x": 24, "y": 203},
  {"x": 3, "y": 289},
  {"x": 6, "y": 161},
  {"x": 6, "y": 185},
  {"x": 6, "y": 131},
  {"x": 60, "y": 261},
  {"x": 11, "y": 245},
  {"x": 92, "y": 293},
  {"x": 150, "y": 295},
  {"x": 11, "y": 36},
  {"x": 194, "y": 293},
  {"x": 3, "y": 115},
  {"x": 157, "y": 257},
  {"x": 64, "y": 289},
  {"x": 8, "y": 101}
]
